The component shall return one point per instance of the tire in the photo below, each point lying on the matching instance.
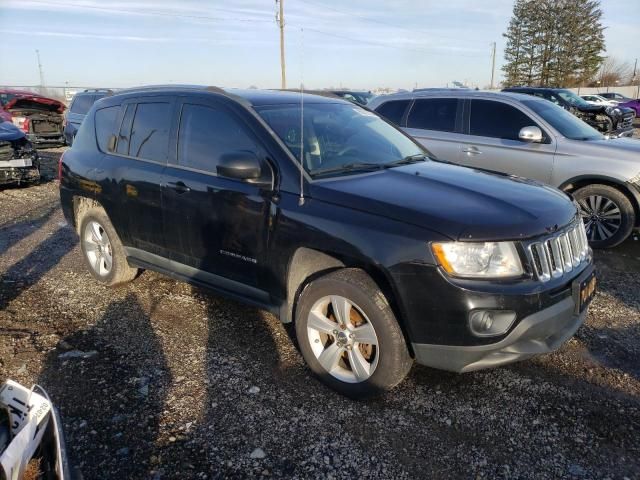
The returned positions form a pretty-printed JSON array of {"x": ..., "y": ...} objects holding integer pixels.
[
  {"x": 608, "y": 215},
  {"x": 329, "y": 349},
  {"x": 102, "y": 249}
]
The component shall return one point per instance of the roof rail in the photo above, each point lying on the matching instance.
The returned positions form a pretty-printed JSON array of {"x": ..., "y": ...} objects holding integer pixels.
[{"x": 108, "y": 90}]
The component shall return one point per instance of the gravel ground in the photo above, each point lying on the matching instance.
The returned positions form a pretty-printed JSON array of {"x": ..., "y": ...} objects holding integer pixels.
[{"x": 176, "y": 382}]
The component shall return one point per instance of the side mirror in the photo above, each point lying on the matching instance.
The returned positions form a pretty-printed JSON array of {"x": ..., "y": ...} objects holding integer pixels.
[
  {"x": 239, "y": 165},
  {"x": 530, "y": 134}
]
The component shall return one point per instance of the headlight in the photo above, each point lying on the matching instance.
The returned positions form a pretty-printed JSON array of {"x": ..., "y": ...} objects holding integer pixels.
[{"x": 479, "y": 260}]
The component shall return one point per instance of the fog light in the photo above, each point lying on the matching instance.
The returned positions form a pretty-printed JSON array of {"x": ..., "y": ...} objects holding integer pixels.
[{"x": 487, "y": 323}]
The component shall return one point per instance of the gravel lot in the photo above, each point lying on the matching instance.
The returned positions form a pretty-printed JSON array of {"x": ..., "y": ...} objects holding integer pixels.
[{"x": 179, "y": 383}]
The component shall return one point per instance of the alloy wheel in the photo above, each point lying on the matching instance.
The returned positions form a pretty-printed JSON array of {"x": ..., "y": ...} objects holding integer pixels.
[
  {"x": 602, "y": 217},
  {"x": 343, "y": 339},
  {"x": 98, "y": 248}
]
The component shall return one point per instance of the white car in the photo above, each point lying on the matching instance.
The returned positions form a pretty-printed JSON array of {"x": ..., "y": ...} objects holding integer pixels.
[{"x": 598, "y": 100}]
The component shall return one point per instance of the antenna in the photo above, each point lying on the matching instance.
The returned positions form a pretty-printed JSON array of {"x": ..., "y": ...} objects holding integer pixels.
[{"x": 301, "y": 200}]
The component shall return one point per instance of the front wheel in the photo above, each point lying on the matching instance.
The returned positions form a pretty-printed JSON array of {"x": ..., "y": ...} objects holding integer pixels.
[
  {"x": 607, "y": 213},
  {"x": 349, "y": 336}
]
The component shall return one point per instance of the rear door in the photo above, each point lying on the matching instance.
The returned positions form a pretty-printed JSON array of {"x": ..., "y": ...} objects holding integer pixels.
[
  {"x": 137, "y": 165},
  {"x": 437, "y": 124},
  {"x": 492, "y": 142},
  {"x": 214, "y": 224}
]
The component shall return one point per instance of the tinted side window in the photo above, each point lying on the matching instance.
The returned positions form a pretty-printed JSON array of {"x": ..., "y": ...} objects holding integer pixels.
[
  {"x": 497, "y": 120},
  {"x": 125, "y": 130},
  {"x": 106, "y": 125},
  {"x": 150, "y": 131},
  {"x": 82, "y": 104},
  {"x": 394, "y": 110},
  {"x": 206, "y": 133},
  {"x": 434, "y": 114}
]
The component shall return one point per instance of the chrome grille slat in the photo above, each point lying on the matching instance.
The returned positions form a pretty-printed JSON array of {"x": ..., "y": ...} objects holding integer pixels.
[{"x": 560, "y": 254}]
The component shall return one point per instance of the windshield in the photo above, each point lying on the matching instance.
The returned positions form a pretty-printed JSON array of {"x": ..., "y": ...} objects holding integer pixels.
[
  {"x": 339, "y": 136},
  {"x": 572, "y": 98},
  {"x": 564, "y": 122}
]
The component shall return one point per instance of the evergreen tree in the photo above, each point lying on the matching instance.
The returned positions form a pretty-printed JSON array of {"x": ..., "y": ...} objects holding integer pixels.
[{"x": 553, "y": 42}]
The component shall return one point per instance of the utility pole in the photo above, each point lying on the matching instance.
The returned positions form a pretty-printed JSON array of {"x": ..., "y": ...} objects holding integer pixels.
[
  {"x": 280, "y": 21},
  {"x": 634, "y": 78},
  {"x": 493, "y": 63},
  {"x": 40, "y": 70}
]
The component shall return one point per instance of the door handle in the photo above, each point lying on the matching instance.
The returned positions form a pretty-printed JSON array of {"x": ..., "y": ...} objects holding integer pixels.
[
  {"x": 179, "y": 187},
  {"x": 472, "y": 151}
]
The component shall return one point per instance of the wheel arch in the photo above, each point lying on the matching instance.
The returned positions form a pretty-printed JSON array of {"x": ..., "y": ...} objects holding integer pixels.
[
  {"x": 581, "y": 181},
  {"x": 81, "y": 205},
  {"x": 307, "y": 264}
]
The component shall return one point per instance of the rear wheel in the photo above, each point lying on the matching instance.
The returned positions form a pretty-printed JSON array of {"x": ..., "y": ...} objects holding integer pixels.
[
  {"x": 349, "y": 336},
  {"x": 607, "y": 213},
  {"x": 102, "y": 249}
]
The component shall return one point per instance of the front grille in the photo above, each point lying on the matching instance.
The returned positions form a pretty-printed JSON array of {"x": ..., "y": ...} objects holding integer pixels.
[
  {"x": 627, "y": 121},
  {"x": 559, "y": 254}
]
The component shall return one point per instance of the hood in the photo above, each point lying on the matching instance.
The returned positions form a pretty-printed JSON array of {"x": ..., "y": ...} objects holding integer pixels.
[
  {"x": 615, "y": 149},
  {"x": 9, "y": 132},
  {"x": 459, "y": 202},
  {"x": 603, "y": 109},
  {"x": 35, "y": 102}
]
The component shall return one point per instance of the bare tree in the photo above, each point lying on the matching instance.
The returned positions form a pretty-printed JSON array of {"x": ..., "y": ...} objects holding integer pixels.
[{"x": 613, "y": 72}]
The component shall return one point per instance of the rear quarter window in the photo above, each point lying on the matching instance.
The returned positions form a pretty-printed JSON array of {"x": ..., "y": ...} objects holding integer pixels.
[{"x": 105, "y": 120}]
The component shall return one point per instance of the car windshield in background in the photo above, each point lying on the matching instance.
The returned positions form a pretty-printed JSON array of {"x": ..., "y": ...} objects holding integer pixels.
[
  {"x": 564, "y": 122},
  {"x": 573, "y": 99},
  {"x": 339, "y": 138}
]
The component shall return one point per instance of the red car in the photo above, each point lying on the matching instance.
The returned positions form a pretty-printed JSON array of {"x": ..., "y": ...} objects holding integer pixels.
[{"x": 40, "y": 118}]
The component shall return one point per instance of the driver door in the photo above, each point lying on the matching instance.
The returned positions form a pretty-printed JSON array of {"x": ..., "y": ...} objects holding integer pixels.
[{"x": 214, "y": 224}]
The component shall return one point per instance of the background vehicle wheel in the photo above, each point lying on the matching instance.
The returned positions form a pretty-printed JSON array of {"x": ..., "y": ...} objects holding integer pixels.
[
  {"x": 607, "y": 213},
  {"x": 103, "y": 250},
  {"x": 349, "y": 336}
]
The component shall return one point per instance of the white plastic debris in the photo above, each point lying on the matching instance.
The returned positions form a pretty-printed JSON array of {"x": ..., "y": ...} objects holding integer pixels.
[{"x": 29, "y": 413}]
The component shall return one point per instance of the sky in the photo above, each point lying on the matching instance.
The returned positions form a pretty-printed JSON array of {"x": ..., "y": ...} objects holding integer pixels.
[{"x": 360, "y": 44}]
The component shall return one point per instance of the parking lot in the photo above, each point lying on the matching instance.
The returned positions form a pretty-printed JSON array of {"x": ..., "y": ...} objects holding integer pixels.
[{"x": 158, "y": 379}]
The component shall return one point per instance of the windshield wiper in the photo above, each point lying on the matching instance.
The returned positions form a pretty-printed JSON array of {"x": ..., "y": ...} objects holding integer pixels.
[
  {"x": 349, "y": 167},
  {"x": 418, "y": 157}
]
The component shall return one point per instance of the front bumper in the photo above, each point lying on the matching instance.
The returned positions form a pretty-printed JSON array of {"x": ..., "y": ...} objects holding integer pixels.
[
  {"x": 622, "y": 133},
  {"x": 18, "y": 175},
  {"x": 541, "y": 332}
]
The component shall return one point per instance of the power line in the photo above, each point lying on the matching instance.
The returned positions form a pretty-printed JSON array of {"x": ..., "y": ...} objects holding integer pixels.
[
  {"x": 386, "y": 45},
  {"x": 379, "y": 22},
  {"x": 152, "y": 12},
  {"x": 209, "y": 18}
]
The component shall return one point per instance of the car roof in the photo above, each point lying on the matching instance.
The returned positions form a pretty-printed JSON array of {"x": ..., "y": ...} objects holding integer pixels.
[
  {"x": 453, "y": 93},
  {"x": 253, "y": 97}
]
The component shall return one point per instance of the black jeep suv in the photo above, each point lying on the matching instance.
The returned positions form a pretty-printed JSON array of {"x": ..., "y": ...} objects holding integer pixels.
[
  {"x": 615, "y": 121},
  {"x": 324, "y": 214}
]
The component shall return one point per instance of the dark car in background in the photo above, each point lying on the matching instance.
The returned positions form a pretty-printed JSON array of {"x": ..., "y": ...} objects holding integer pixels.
[
  {"x": 39, "y": 117},
  {"x": 333, "y": 219},
  {"x": 80, "y": 105},
  {"x": 18, "y": 159},
  {"x": 618, "y": 97},
  {"x": 615, "y": 121},
  {"x": 359, "y": 97}
]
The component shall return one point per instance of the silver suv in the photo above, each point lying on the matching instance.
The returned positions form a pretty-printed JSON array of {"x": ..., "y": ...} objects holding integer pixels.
[{"x": 529, "y": 137}]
